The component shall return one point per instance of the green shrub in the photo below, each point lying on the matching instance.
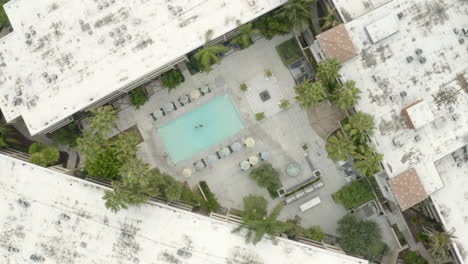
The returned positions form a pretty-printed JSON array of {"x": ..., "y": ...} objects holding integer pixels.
[
  {"x": 66, "y": 135},
  {"x": 43, "y": 155},
  {"x": 360, "y": 237},
  {"x": 315, "y": 233},
  {"x": 422, "y": 237},
  {"x": 105, "y": 165},
  {"x": 172, "y": 79},
  {"x": 354, "y": 195},
  {"x": 190, "y": 197},
  {"x": 260, "y": 116},
  {"x": 138, "y": 97},
  {"x": 243, "y": 87},
  {"x": 268, "y": 177},
  {"x": 211, "y": 202},
  {"x": 284, "y": 104},
  {"x": 413, "y": 257},
  {"x": 3, "y": 17},
  {"x": 268, "y": 73},
  {"x": 271, "y": 25}
]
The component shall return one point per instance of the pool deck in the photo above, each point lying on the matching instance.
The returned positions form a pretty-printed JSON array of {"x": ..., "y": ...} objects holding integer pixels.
[{"x": 281, "y": 133}]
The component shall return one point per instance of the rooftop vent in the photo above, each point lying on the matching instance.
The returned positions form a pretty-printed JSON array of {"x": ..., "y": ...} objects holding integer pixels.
[
  {"x": 400, "y": 15},
  {"x": 403, "y": 94},
  {"x": 461, "y": 41},
  {"x": 33, "y": 32},
  {"x": 409, "y": 59},
  {"x": 27, "y": 35},
  {"x": 418, "y": 51},
  {"x": 137, "y": 21},
  {"x": 422, "y": 60},
  {"x": 44, "y": 74},
  {"x": 17, "y": 101},
  {"x": 37, "y": 258},
  {"x": 417, "y": 138},
  {"x": 99, "y": 7}
]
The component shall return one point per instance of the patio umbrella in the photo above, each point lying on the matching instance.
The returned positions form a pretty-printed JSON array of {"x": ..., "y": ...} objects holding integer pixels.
[
  {"x": 169, "y": 107},
  {"x": 253, "y": 160},
  {"x": 184, "y": 99},
  {"x": 250, "y": 142},
  {"x": 194, "y": 94},
  {"x": 236, "y": 146},
  {"x": 199, "y": 165},
  {"x": 205, "y": 89},
  {"x": 224, "y": 152},
  {"x": 158, "y": 113},
  {"x": 265, "y": 156},
  {"x": 245, "y": 165},
  {"x": 187, "y": 172},
  {"x": 212, "y": 158}
]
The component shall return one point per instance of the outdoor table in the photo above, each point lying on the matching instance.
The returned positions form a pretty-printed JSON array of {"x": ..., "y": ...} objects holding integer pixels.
[
  {"x": 265, "y": 156},
  {"x": 169, "y": 107},
  {"x": 236, "y": 146},
  {"x": 205, "y": 89},
  {"x": 184, "y": 99},
  {"x": 212, "y": 158},
  {"x": 224, "y": 152},
  {"x": 158, "y": 113}
]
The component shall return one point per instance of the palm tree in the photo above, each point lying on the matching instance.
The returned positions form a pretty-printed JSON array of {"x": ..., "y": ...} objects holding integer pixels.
[
  {"x": 209, "y": 56},
  {"x": 259, "y": 223},
  {"x": 359, "y": 126},
  {"x": 244, "y": 38},
  {"x": 339, "y": 147},
  {"x": 331, "y": 19},
  {"x": 367, "y": 161},
  {"x": 346, "y": 96},
  {"x": 297, "y": 12},
  {"x": 439, "y": 243},
  {"x": 309, "y": 94},
  {"x": 7, "y": 136},
  {"x": 328, "y": 71}
]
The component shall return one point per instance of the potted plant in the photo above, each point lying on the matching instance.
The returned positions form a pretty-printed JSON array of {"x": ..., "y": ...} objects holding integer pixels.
[{"x": 243, "y": 87}]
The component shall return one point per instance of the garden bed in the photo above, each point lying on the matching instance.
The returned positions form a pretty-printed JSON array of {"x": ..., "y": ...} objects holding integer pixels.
[
  {"x": 289, "y": 51},
  {"x": 129, "y": 130},
  {"x": 302, "y": 187},
  {"x": 354, "y": 195}
]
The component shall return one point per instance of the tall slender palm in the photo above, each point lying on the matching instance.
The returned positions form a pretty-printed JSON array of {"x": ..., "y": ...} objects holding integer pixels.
[
  {"x": 346, "y": 96},
  {"x": 309, "y": 94},
  {"x": 359, "y": 126},
  {"x": 209, "y": 56},
  {"x": 339, "y": 147},
  {"x": 297, "y": 12},
  {"x": 439, "y": 243},
  {"x": 244, "y": 38},
  {"x": 258, "y": 223},
  {"x": 367, "y": 161},
  {"x": 331, "y": 19},
  {"x": 327, "y": 72}
]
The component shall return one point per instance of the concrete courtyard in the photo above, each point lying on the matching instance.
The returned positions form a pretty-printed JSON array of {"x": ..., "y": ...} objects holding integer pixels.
[{"x": 281, "y": 134}]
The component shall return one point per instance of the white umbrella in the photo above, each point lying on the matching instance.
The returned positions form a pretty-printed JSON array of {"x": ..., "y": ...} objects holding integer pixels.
[
  {"x": 158, "y": 113},
  {"x": 236, "y": 146},
  {"x": 205, "y": 89},
  {"x": 224, "y": 152},
  {"x": 184, "y": 99},
  {"x": 212, "y": 158},
  {"x": 194, "y": 94},
  {"x": 253, "y": 160},
  {"x": 250, "y": 142},
  {"x": 245, "y": 165},
  {"x": 265, "y": 155},
  {"x": 169, "y": 107},
  {"x": 187, "y": 173},
  {"x": 199, "y": 165}
]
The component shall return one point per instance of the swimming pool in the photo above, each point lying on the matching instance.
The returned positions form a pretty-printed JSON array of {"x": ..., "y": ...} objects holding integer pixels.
[{"x": 201, "y": 128}]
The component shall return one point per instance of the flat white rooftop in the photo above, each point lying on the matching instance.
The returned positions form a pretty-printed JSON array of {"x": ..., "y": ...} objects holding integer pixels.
[
  {"x": 426, "y": 60},
  {"x": 62, "y": 219},
  {"x": 352, "y": 9},
  {"x": 64, "y": 55},
  {"x": 452, "y": 200}
]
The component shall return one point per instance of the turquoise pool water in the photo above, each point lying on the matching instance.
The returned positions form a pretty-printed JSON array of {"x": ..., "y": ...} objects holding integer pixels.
[{"x": 219, "y": 119}]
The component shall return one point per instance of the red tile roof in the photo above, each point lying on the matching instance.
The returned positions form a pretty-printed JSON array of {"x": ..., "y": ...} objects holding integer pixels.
[
  {"x": 408, "y": 189},
  {"x": 336, "y": 43}
]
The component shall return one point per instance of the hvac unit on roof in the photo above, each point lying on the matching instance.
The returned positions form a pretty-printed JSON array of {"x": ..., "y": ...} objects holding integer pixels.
[
  {"x": 417, "y": 138},
  {"x": 403, "y": 94},
  {"x": 409, "y": 59}
]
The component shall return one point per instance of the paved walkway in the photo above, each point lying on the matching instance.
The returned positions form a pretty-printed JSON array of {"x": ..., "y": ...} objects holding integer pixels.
[{"x": 281, "y": 134}]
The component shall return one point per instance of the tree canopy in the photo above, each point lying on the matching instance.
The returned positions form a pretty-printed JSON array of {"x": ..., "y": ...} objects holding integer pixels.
[
  {"x": 346, "y": 96},
  {"x": 367, "y": 161},
  {"x": 339, "y": 147},
  {"x": 327, "y": 72},
  {"x": 267, "y": 176},
  {"x": 354, "y": 194},
  {"x": 260, "y": 224},
  {"x": 297, "y": 12},
  {"x": 208, "y": 56},
  {"x": 309, "y": 93},
  {"x": 331, "y": 19},
  {"x": 360, "y": 125},
  {"x": 360, "y": 237},
  {"x": 43, "y": 155},
  {"x": 244, "y": 39}
]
